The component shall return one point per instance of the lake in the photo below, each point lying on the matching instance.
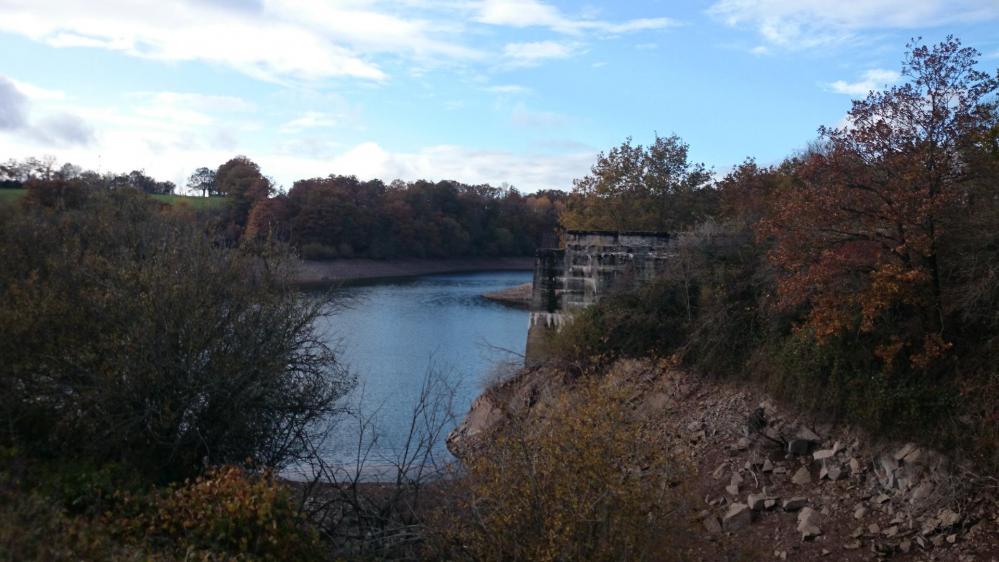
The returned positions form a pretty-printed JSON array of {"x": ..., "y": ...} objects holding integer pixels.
[{"x": 391, "y": 333}]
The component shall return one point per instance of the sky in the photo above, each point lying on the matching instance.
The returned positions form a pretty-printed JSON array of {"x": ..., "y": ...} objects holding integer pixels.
[{"x": 518, "y": 92}]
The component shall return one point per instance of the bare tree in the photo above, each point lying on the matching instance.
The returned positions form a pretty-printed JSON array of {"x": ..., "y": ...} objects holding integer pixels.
[{"x": 374, "y": 503}]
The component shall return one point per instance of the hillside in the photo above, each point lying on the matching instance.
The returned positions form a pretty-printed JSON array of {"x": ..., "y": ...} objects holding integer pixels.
[{"x": 839, "y": 494}]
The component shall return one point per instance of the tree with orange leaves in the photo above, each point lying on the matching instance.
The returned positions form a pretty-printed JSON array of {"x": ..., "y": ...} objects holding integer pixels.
[{"x": 858, "y": 240}]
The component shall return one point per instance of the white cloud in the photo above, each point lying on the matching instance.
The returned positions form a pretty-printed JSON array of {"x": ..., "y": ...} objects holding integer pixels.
[
  {"x": 13, "y": 106},
  {"x": 297, "y": 40},
  {"x": 873, "y": 79},
  {"x": 533, "y": 13},
  {"x": 811, "y": 23},
  {"x": 533, "y": 53},
  {"x": 310, "y": 120},
  {"x": 370, "y": 31},
  {"x": 256, "y": 43},
  {"x": 529, "y": 172},
  {"x": 62, "y": 130},
  {"x": 188, "y": 109},
  {"x": 38, "y": 93},
  {"x": 54, "y": 129},
  {"x": 164, "y": 134}
]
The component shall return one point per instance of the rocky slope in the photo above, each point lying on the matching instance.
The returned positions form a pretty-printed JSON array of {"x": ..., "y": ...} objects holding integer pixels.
[{"x": 773, "y": 483}]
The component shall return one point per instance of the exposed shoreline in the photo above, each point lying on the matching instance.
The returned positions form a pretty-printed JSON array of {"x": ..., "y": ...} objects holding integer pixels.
[
  {"x": 518, "y": 296},
  {"x": 318, "y": 273}
]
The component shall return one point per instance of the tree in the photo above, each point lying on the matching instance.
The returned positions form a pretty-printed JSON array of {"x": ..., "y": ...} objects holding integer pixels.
[
  {"x": 268, "y": 220},
  {"x": 241, "y": 181},
  {"x": 859, "y": 242},
  {"x": 138, "y": 180},
  {"x": 69, "y": 171},
  {"x": 203, "y": 179},
  {"x": 632, "y": 187}
]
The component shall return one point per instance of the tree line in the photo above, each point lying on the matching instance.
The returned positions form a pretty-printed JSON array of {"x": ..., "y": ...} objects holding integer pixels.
[
  {"x": 337, "y": 216},
  {"x": 23, "y": 174}
]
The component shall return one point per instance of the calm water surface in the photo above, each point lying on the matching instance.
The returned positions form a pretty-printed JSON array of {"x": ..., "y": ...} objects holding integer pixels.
[{"x": 390, "y": 333}]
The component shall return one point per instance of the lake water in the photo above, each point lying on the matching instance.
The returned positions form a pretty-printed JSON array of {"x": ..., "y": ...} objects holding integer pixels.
[{"x": 391, "y": 333}]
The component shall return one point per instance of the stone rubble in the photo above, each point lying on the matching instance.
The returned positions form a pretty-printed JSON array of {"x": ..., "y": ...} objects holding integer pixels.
[{"x": 896, "y": 493}]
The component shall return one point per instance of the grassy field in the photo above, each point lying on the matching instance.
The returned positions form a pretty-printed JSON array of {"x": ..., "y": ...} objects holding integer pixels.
[{"x": 11, "y": 195}]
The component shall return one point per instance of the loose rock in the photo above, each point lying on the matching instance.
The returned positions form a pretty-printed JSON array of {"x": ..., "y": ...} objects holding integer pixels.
[
  {"x": 808, "y": 520},
  {"x": 737, "y": 517},
  {"x": 794, "y": 504},
  {"x": 756, "y": 502},
  {"x": 802, "y": 477}
]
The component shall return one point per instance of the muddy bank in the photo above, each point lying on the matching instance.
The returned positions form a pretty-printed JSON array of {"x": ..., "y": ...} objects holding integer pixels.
[
  {"x": 518, "y": 297},
  {"x": 317, "y": 273}
]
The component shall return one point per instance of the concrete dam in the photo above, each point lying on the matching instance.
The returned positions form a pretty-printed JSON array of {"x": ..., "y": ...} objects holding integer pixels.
[{"x": 592, "y": 263}]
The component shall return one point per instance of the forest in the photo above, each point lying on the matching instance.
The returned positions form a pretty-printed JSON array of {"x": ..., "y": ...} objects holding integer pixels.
[{"x": 332, "y": 217}]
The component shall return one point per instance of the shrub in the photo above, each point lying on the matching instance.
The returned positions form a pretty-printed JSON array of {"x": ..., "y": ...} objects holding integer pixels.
[
  {"x": 316, "y": 251},
  {"x": 130, "y": 336},
  {"x": 651, "y": 320},
  {"x": 841, "y": 378},
  {"x": 231, "y": 511},
  {"x": 580, "y": 485}
]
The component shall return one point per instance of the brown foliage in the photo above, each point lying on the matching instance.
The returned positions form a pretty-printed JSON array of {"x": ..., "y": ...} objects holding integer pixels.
[
  {"x": 582, "y": 484},
  {"x": 632, "y": 187},
  {"x": 859, "y": 241}
]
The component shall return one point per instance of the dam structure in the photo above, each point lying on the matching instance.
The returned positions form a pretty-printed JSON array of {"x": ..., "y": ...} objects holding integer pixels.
[{"x": 592, "y": 263}]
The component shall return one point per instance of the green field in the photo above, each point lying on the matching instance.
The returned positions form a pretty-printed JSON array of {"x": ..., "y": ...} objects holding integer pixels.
[{"x": 10, "y": 195}]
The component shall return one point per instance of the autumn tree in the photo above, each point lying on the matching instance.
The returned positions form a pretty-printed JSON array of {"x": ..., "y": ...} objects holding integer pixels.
[
  {"x": 859, "y": 240},
  {"x": 632, "y": 187},
  {"x": 241, "y": 180},
  {"x": 268, "y": 220}
]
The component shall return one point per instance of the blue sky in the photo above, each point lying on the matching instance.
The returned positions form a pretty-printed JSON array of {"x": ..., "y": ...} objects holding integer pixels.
[{"x": 525, "y": 92}]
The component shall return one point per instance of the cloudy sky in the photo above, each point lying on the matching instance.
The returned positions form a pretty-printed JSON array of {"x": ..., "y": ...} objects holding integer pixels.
[{"x": 518, "y": 91}]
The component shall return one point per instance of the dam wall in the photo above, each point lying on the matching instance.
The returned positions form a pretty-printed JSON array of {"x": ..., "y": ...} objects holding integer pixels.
[{"x": 592, "y": 264}]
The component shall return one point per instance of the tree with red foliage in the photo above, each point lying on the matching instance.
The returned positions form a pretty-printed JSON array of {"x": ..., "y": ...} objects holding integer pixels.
[
  {"x": 858, "y": 240},
  {"x": 241, "y": 181}
]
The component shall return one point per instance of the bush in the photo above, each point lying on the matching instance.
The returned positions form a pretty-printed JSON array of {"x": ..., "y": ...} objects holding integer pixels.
[
  {"x": 650, "y": 321},
  {"x": 842, "y": 379},
  {"x": 580, "y": 485},
  {"x": 130, "y": 336},
  {"x": 228, "y": 510},
  {"x": 316, "y": 251},
  {"x": 225, "y": 515}
]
